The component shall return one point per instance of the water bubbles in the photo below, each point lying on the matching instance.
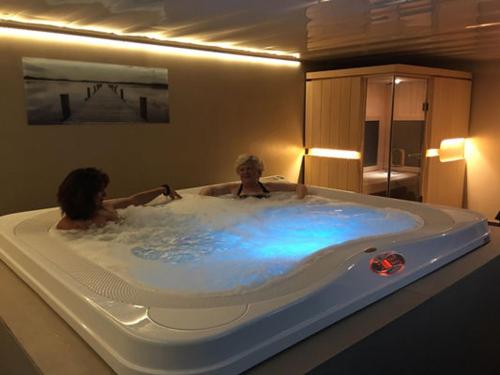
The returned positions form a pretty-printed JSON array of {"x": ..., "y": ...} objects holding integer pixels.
[{"x": 206, "y": 244}]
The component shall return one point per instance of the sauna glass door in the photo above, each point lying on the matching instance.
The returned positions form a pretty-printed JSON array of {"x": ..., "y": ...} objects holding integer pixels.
[
  {"x": 406, "y": 150},
  {"x": 376, "y": 139},
  {"x": 393, "y": 140}
]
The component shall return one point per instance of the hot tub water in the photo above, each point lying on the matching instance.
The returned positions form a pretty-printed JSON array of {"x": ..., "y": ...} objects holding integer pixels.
[{"x": 210, "y": 245}]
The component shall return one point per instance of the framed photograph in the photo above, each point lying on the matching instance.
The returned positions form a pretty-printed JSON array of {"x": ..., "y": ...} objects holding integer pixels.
[{"x": 70, "y": 92}]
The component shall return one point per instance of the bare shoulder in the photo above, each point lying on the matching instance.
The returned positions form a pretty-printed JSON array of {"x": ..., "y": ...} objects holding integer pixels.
[
  {"x": 105, "y": 214},
  {"x": 67, "y": 224}
]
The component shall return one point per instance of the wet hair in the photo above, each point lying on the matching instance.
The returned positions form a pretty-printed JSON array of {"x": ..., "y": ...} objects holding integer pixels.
[
  {"x": 247, "y": 159},
  {"x": 77, "y": 193}
]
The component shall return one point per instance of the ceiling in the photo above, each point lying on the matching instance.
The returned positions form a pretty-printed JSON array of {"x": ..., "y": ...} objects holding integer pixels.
[{"x": 317, "y": 30}]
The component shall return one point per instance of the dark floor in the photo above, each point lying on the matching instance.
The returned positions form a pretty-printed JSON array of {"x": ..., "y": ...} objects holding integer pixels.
[
  {"x": 13, "y": 359},
  {"x": 455, "y": 332}
]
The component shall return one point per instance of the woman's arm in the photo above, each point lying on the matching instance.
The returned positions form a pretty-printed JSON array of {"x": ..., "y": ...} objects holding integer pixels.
[
  {"x": 300, "y": 189},
  {"x": 216, "y": 190},
  {"x": 143, "y": 197}
]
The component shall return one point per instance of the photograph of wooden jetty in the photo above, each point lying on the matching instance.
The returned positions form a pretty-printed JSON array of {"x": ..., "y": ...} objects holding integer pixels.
[{"x": 72, "y": 92}]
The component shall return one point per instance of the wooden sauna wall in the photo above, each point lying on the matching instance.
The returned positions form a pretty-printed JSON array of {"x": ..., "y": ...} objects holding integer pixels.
[
  {"x": 449, "y": 118},
  {"x": 334, "y": 119},
  {"x": 408, "y": 99}
]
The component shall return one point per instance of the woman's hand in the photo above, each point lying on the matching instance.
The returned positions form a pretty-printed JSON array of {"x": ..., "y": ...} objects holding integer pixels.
[
  {"x": 301, "y": 191},
  {"x": 174, "y": 195},
  {"x": 169, "y": 192}
]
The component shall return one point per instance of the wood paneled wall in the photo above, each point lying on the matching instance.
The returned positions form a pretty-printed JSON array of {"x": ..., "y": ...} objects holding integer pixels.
[
  {"x": 334, "y": 113},
  {"x": 377, "y": 100},
  {"x": 449, "y": 118},
  {"x": 341, "y": 174},
  {"x": 334, "y": 119},
  {"x": 444, "y": 182},
  {"x": 449, "y": 110},
  {"x": 408, "y": 100}
]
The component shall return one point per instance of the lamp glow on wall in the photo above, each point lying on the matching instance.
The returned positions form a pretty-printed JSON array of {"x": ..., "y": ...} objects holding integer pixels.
[
  {"x": 449, "y": 150},
  {"x": 333, "y": 153}
]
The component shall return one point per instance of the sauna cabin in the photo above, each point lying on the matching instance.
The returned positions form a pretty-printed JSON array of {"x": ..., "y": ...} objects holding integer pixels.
[{"x": 392, "y": 119}]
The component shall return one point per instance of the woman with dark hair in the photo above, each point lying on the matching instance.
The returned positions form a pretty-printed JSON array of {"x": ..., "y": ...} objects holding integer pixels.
[{"x": 81, "y": 198}]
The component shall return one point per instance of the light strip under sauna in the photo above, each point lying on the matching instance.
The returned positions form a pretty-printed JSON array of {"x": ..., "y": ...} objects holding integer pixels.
[
  {"x": 56, "y": 36},
  {"x": 452, "y": 149},
  {"x": 332, "y": 153}
]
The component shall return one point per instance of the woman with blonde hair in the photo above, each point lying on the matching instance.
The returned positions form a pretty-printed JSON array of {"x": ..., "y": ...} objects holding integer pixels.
[{"x": 249, "y": 168}]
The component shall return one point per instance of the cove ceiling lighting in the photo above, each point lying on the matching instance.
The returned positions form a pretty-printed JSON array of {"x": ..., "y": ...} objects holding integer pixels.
[
  {"x": 72, "y": 27},
  {"x": 152, "y": 46}
]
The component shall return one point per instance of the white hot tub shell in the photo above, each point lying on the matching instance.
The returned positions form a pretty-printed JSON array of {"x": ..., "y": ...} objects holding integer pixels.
[{"x": 140, "y": 330}]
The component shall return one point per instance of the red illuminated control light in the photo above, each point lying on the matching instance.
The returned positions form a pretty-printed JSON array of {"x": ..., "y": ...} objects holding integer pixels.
[{"x": 387, "y": 264}]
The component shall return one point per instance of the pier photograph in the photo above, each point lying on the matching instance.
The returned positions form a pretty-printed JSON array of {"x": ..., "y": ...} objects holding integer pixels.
[{"x": 61, "y": 92}]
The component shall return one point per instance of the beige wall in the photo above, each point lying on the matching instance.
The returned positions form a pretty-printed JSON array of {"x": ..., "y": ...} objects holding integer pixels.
[
  {"x": 483, "y": 164},
  {"x": 218, "y": 110}
]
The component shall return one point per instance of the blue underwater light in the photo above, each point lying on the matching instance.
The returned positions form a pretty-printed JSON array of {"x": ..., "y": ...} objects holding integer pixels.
[
  {"x": 293, "y": 233},
  {"x": 263, "y": 244}
]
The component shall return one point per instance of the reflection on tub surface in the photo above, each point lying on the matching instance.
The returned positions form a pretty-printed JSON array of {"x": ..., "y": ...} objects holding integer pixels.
[{"x": 210, "y": 245}]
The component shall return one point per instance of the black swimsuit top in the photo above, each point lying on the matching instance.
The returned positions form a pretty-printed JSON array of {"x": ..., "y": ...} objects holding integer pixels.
[{"x": 265, "y": 193}]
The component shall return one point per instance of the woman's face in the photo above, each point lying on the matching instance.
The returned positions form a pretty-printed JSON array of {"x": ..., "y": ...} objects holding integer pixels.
[{"x": 249, "y": 172}]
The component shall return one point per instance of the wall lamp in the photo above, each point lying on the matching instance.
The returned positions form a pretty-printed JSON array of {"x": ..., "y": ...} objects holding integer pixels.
[
  {"x": 449, "y": 150},
  {"x": 452, "y": 149}
]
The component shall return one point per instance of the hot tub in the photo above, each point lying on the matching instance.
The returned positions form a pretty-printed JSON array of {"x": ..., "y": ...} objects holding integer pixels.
[{"x": 223, "y": 311}]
